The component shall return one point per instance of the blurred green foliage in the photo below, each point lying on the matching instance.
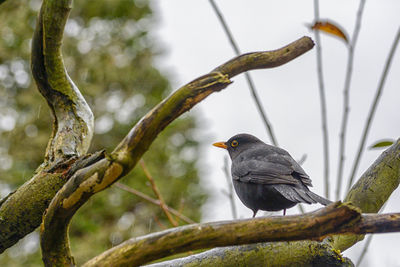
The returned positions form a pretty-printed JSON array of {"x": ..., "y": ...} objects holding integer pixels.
[{"x": 110, "y": 56}]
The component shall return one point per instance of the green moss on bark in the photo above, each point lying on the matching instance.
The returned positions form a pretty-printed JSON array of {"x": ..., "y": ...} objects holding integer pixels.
[
  {"x": 22, "y": 212},
  {"x": 299, "y": 253}
]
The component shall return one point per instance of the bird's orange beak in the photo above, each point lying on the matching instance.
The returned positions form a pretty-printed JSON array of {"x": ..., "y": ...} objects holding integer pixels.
[{"x": 220, "y": 144}]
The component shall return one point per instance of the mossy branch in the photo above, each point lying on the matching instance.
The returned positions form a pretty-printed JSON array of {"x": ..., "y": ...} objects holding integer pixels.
[
  {"x": 22, "y": 211},
  {"x": 142, "y": 135},
  {"x": 295, "y": 253},
  {"x": 336, "y": 218},
  {"x": 373, "y": 189},
  {"x": 88, "y": 181},
  {"x": 73, "y": 119}
]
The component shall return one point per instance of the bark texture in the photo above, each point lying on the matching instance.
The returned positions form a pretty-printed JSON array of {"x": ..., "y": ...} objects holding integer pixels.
[
  {"x": 373, "y": 189},
  {"x": 21, "y": 212},
  {"x": 315, "y": 225},
  {"x": 296, "y": 253}
]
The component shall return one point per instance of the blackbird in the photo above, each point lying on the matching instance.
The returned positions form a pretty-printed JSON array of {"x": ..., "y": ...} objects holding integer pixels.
[{"x": 266, "y": 177}]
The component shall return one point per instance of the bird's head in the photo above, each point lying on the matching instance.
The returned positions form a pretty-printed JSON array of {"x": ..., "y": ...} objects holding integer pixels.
[{"x": 239, "y": 143}]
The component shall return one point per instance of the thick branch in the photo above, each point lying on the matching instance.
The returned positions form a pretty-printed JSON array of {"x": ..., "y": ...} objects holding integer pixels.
[
  {"x": 373, "y": 189},
  {"x": 141, "y": 136},
  {"x": 97, "y": 177},
  {"x": 295, "y": 253},
  {"x": 375, "y": 223},
  {"x": 336, "y": 218},
  {"x": 22, "y": 211},
  {"x": 154, "y": 246},
  {"x": 72, "y": 128},
  {"x": 73, "y": 119}
]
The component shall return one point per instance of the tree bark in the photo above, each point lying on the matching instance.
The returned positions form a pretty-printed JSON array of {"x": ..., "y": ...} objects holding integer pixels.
[
  {"x": 337, "y": 218},
  {"x": 373, "y": 189},
  {"x": 21, "y": 212},
  {"x": 314, "y": 225},
  {"x": 295, "y": 253}
]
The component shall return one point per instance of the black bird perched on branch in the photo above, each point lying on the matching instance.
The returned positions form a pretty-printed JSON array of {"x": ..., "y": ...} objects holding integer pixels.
[{"x": 266, "y": 177}]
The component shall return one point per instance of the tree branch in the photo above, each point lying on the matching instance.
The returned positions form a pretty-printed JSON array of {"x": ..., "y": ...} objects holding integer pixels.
[
  {"x": 162, "y": 205},
  {"x": 72, "y": 132},
  {"x": 373, "y": 189},
  {"x": 373, "y": 107},
  {"x": 336, "y": 218},
  {"x": 86, "y": 182},
  {"x": 229, "y": 184},
  {"x": 73, "y": 119},
  {"x": 22, "y": 210},
  {"x": 346, "y": 97},
  {"x": 295, "y": 253},
  {"x": 324, "y": 116},
  {"x": 314, "y": 225},
  {"x": 247, "y": 76},
  {"x": 156, "y": 202}
]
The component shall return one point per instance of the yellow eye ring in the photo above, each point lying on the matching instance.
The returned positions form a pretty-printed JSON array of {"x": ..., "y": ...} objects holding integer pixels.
[{"x": 234, "y": 143}]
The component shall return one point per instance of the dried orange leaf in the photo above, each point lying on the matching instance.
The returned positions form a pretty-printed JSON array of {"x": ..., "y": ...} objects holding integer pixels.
[{"x": 329, "y": 27}]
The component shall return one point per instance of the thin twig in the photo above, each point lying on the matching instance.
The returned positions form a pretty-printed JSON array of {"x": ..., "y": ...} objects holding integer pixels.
[
  {"x": 300, "y": 162},
  {"x": 230, "y": 188},
  {"x": 373, "y": 107},
  {"x": 324, "y": 118},
  {"x": 181, "y": 206},
  {"x": 301, "y": 208},
  {"x": 302, "y": 159},
  {"x": 159, "y": 223},
  {"x": 153, "y": 201},
  {"x": 364, "y": 251},
  {"x": 163, "y": 206},
  {"x": 249, "y": 80},
  {"x": 346, "y": 98}
]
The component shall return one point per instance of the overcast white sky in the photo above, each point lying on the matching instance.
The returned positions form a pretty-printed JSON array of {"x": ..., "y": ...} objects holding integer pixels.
[{"x": 195, "y": 44}]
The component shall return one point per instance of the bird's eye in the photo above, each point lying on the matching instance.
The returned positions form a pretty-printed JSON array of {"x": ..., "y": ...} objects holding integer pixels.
[{"x": 234, "y": 143}]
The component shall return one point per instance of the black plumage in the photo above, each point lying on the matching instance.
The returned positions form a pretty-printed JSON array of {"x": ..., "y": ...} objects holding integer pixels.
[{"x": 266, "y": 177}]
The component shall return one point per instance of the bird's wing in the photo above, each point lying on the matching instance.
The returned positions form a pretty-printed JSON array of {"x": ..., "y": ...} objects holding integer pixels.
[
  {"x": 267, "y": 174},
  {"x": 269, "y": 168}
]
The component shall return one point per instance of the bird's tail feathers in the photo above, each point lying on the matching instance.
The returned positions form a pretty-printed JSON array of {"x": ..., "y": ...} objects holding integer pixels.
[
  {"x": 319, "y": 199},
  {"x": 301, "y": 195},
  {"x": 294, "y": 194}
]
